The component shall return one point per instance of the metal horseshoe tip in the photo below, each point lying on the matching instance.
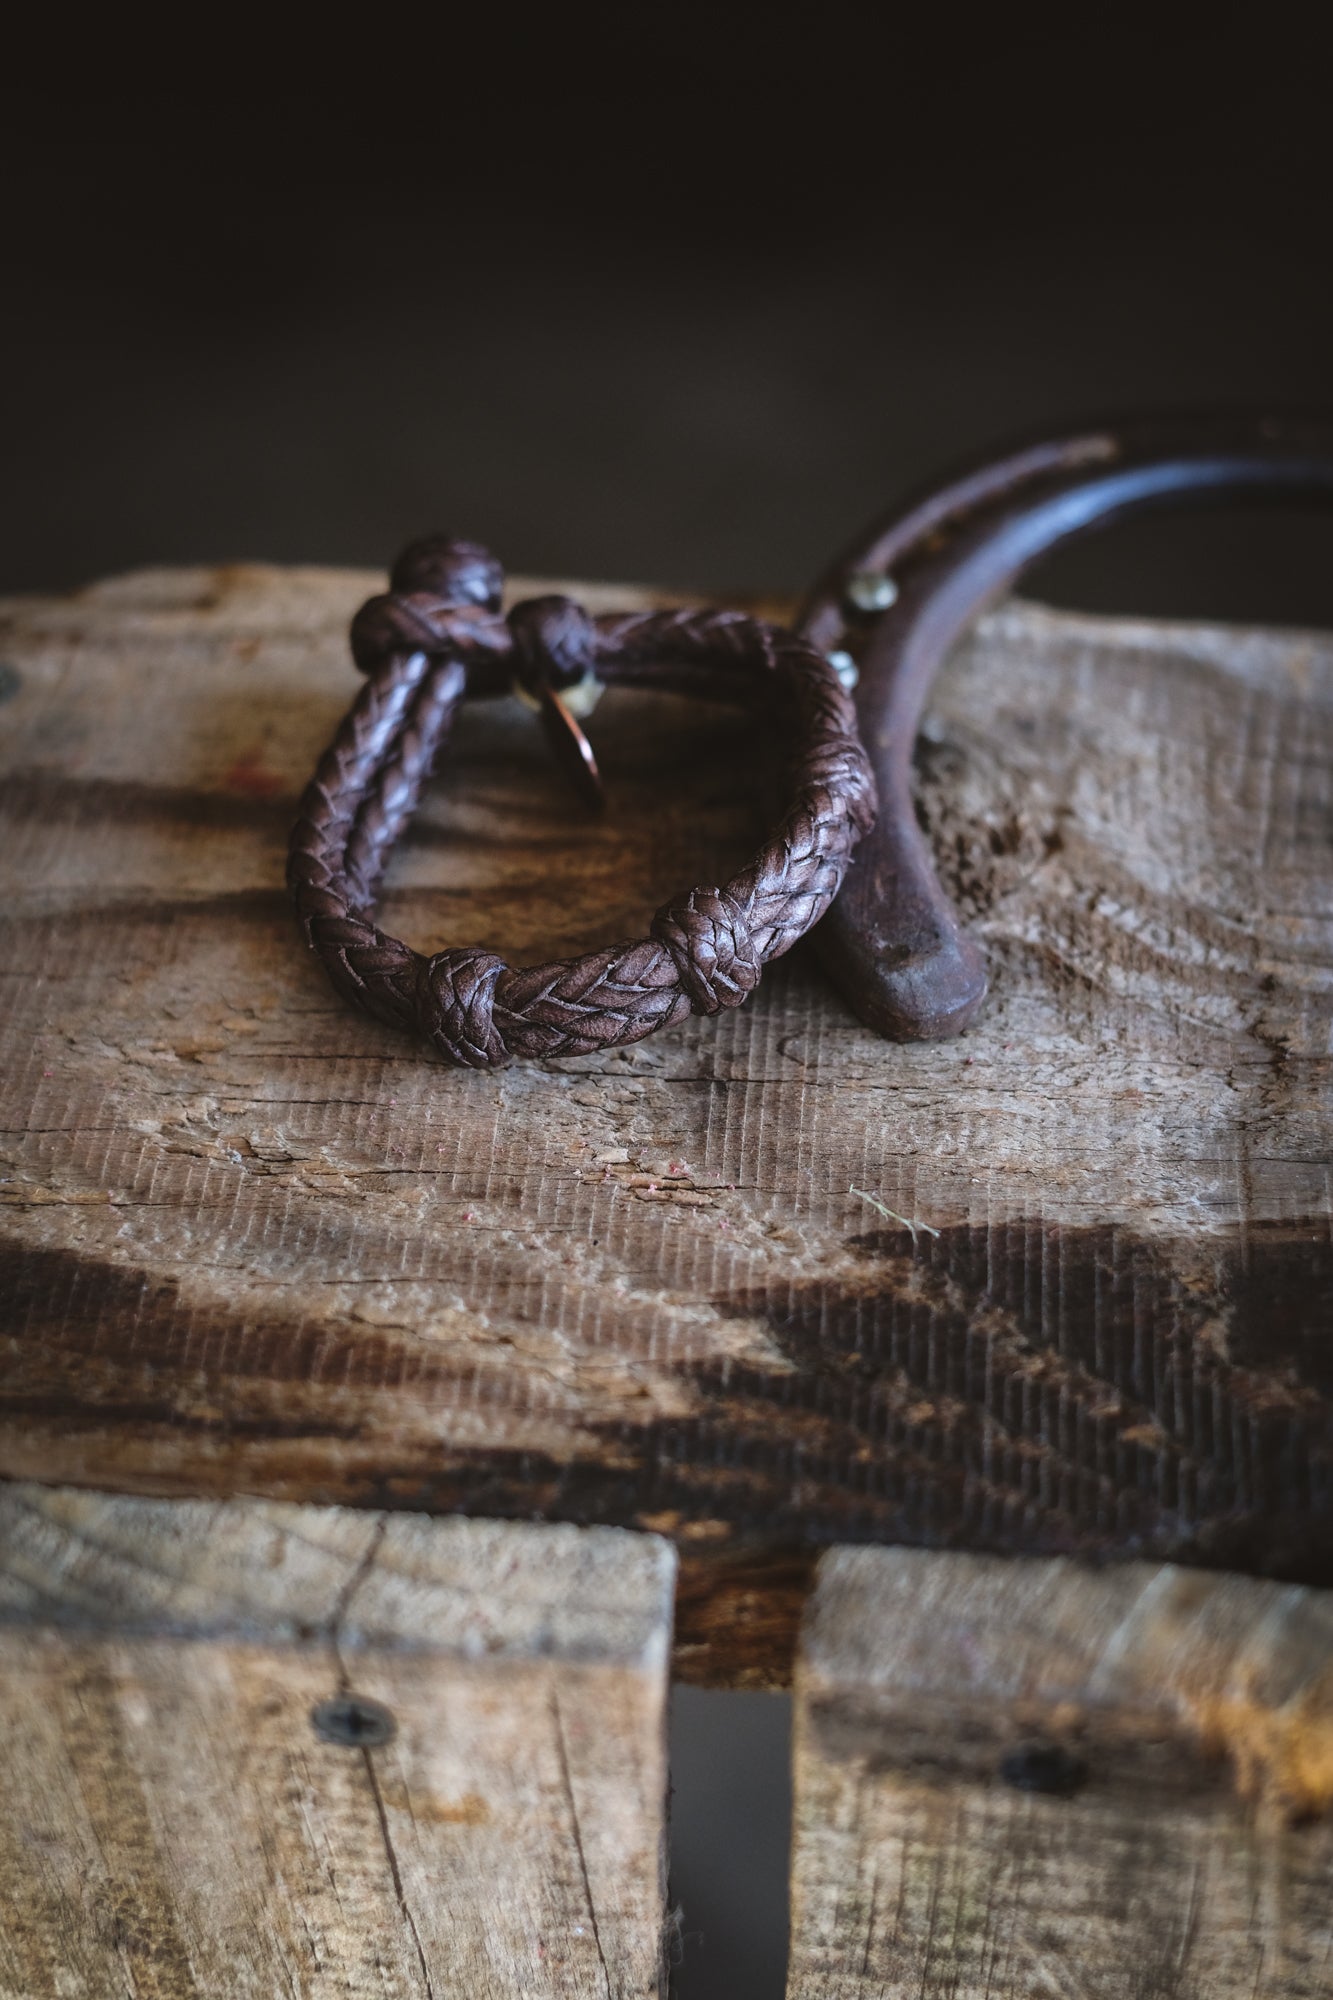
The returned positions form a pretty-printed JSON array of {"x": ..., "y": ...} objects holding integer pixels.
[{"x": 897, "y": 602}]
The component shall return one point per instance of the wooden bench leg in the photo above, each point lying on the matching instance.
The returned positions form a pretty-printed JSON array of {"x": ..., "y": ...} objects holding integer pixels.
[
  {"x": 1029, "y": 1778},
  {"x": 262, "y": 1750}
]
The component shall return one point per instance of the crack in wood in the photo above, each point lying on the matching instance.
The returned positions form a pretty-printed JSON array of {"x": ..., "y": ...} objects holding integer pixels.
[{"x": 562, "y": 1752}]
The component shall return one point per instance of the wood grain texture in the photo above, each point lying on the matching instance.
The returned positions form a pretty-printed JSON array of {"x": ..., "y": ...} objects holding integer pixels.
[
  {"x": 174, "y": 1826},
  {"x": 1183, "y": 1726},
  {"x": 1081, "y": 1296}
]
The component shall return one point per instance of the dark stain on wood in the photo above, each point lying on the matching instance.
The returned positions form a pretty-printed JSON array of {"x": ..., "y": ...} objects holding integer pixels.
[
  {"x": 739, "y": 1605},
  {"x": 1020, "y": 1391},
  {"x": 954, "y": 1400},
  {"x": 51, "y": 797},
  {"x": 1070, "y": 1390},
  {"x": 1140, "y": 1760}
]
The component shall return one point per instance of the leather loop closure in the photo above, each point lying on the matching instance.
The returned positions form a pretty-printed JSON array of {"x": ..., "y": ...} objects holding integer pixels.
[{"x": 555, "y": 642}]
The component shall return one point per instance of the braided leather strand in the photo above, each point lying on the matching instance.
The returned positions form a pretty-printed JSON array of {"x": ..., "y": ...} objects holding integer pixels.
[{"x": 437, "y": 637}]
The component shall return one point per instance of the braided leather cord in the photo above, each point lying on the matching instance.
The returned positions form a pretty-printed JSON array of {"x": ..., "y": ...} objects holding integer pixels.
[{"x": 438, "y": 636}]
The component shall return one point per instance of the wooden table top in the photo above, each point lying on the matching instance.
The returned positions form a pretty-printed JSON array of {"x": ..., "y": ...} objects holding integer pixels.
[{"x": 761, "y": 1283}]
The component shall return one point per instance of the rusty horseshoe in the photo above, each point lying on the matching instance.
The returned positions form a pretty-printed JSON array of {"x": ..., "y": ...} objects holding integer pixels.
[{"x": 895, "y": 603}]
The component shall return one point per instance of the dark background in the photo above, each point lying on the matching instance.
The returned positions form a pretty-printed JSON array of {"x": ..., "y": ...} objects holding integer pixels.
[
  {"x": 649, "y": 293},
  {"x": 665, "y": 294}
]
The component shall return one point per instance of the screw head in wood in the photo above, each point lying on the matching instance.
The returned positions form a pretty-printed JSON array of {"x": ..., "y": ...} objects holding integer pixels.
[
  {"x": 354, "y": 1721},
  {"x": 1044, "y": 1767},
  {"x": 868, "y": 593}
]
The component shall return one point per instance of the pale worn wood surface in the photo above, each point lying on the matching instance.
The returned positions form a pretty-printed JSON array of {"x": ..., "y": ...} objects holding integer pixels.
[
  {"x": 1193, "y": 1862},
  {"x": 173, "y": 1826},
  {"x": 251, "y": 1242}
]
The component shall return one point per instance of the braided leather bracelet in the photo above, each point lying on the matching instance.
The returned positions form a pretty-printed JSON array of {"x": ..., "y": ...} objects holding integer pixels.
[{"x": 438, "y": 637}]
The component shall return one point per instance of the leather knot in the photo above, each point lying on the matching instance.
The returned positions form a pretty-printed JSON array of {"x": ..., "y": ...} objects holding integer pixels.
[
  {"x": 843, "y": 770},
  {"x": 555, "y": 641},
  {"x": 457, "y": 572},
  {"x": 708, "y": 936},
  {"x": 454, "y": 1003},
  {"x": 407, "y": 622},
  {"x": 432, "y": 581}
]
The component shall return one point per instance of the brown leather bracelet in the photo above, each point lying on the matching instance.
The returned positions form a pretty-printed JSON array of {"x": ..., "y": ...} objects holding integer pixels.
[{"x": 437, "y": 638}]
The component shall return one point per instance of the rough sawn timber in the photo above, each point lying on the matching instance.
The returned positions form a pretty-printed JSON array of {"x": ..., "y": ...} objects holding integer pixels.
[
  {"x": 762, "y": 1283},
  {"x": 1022, "y": 1779},
  {"x": 174, "y": 1824}
]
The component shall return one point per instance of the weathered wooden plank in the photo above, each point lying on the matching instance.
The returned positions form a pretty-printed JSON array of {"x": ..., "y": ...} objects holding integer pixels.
[
  {"x": 174, "y": 1823},
  {"x": 1025, "y": 1778},
  {"x": 762, "y": 1283}
]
